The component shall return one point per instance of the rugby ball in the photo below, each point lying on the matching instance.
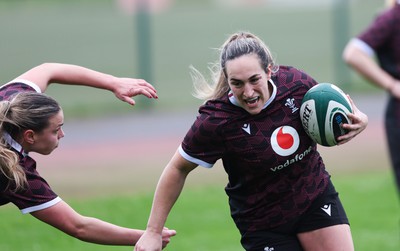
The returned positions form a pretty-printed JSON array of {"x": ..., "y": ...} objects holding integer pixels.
[{"x": 323, "y": 110}]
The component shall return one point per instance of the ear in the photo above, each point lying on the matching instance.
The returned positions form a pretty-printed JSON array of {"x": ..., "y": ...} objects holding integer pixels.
[
  {"x": 269, "y": 71},
  {"x": 29, "y": 136}
]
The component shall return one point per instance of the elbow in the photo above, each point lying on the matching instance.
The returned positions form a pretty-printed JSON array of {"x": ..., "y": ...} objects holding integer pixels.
[
  {"x": 79, "y": 232},
  {"x": 353, "y": 56},
  {"x": 347, "y": 55}
]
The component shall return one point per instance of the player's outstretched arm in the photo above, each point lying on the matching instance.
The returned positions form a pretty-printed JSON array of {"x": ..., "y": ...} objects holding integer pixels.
[
  {"x": 168, "y": 190},
  {"x": 88, "y": 229},
  {"x": 359, "y": 123},
  {"x": 123, "y": 88}
]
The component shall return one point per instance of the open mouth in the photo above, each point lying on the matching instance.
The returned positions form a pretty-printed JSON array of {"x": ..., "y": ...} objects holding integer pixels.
[{"x": 252, "y": 100}]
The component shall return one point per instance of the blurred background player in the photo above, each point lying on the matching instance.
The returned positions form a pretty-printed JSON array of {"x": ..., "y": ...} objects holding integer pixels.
[{"x": 382, "y": 39}]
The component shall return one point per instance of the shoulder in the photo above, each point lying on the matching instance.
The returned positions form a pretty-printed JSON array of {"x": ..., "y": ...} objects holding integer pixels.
[
  {"x": 21, "y": 83},
  {"x": 387, "y": 18},
  {"x": 15, "y": 86},
  {"x": 382, "y": 33},
  {"x": 288, "y": 77},
  {"x": 390, "y": 16},
  {"x": 221, "y": 109},
  {"x": 215, "y": 114}
]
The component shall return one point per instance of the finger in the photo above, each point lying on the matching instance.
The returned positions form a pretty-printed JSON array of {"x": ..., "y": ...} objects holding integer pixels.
[
  {"x": 144, "y": 83},
  {"x": 148, "y": 92},
  {"x": 352, "y": 116},
  {"x": 171, "y": 232},
  {"x": 342, "y": 142},
  {"x": 345, "y": 138},
  {"x": 351, "y": 127},
  {"x": 128, "y": 100}
]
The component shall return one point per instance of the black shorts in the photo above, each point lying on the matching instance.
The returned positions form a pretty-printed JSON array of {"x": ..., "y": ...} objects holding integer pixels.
[{"x": 326, "y": 211}]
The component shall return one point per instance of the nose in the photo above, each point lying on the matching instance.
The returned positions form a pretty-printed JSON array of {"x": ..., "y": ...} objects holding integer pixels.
[
  {"x": 248, "y": 90},
  {"x": 61, "y": 134}
]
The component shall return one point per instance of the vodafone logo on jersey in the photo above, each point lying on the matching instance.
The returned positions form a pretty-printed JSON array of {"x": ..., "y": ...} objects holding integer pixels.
[{"x": 285, "y": 140}]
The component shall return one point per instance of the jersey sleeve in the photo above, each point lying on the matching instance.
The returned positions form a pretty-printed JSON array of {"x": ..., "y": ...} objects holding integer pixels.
[
  {"x": 16, "y": 86},
  {"x": 36, "y": 195},
  {"x": 203, "y": 144},
  {"x": 378, "y": 32}
]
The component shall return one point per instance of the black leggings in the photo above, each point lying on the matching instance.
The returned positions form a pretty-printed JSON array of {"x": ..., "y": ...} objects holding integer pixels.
[{"x": 392, "y": 126}]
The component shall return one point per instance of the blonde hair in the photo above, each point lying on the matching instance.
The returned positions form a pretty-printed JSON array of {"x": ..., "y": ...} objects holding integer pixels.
[
  {"x": 238, "y": 44},
  {"x": 26, "y": 110},
  {"x": 9, "y": 165}
]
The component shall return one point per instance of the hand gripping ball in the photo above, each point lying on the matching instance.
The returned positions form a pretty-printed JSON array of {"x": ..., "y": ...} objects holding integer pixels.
[{"x": 323, "y": 110}]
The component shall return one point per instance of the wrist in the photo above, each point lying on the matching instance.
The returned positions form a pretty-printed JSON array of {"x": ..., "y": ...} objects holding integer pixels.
[
  {"x": 154, "y": 230},
  {"x": 389, "y": 87}
]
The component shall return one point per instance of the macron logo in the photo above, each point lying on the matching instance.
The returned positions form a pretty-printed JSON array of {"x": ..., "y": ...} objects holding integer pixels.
[
  {"x": 327, "y": 209},
  {"x": 246, "y": 128}
]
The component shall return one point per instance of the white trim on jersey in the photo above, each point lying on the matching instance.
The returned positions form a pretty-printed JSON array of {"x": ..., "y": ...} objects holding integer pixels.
[
  {"x": 14, "y": 144},
  {"x": 194, "y": 160},
  {"x": 363, "y": 46},
  {"x": 41, "y": 206},
  {"x": 27, "y": 82}
]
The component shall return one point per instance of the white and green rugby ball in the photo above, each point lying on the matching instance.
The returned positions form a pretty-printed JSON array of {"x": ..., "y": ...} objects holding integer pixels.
[{"x": 323, "y": 111}]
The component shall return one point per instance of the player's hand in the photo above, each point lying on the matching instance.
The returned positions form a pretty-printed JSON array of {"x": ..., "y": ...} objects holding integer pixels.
[
  {"x": 166, "y": 236},
  {"x": 395, "y": 91},
  {"x": 149, "y": 241},
  {"x": 359, "y": 123},
  {"x": 126, "y": 88}
]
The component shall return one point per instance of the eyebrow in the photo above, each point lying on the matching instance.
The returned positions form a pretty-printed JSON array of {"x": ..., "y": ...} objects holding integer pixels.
[{"x": 253, "y": 76}]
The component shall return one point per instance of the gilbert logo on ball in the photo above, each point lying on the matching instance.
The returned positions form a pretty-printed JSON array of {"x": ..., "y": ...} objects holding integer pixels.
[{"x": 323, "y": 111}]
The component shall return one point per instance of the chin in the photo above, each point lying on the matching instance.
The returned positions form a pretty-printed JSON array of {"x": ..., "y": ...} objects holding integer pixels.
[
  {"x": 48, "y": 152},
  {"x": 253, "y": 111}
]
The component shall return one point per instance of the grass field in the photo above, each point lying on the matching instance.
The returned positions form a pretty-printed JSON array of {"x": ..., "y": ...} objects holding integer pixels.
[
  {"x": 202, "y": 219},
  {"x": 97, "y": 35}
]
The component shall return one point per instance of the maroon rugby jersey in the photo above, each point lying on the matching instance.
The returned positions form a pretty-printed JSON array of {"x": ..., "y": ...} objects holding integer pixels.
[
  {"x": 38, "y": 194},
  {"x": 273, "y": 167},
  {"x": 383, "y": 36}
]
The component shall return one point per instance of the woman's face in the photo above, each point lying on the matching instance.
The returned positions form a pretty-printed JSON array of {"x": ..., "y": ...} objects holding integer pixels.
[
  {"x": 47, "y": 140},
  {"x": 248, "y": 82}
]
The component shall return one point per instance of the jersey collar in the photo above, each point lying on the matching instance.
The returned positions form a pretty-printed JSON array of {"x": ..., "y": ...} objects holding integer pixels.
[{"x": 14, "y": 144}]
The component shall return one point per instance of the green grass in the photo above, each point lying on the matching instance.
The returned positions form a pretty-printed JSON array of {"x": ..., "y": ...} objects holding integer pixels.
[
  {"x": 201, "y": 217},
  {"x": 372, "y": 205}
]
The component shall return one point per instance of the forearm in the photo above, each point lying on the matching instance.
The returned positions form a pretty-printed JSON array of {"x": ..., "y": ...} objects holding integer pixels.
[
  {"x": 368, "y": 68},
  {"x": 168, "y": 190},
  {"x": 89, "y": 229},
  {"x": 47, "y": 73},
  {"x": 96, "y": 231}
]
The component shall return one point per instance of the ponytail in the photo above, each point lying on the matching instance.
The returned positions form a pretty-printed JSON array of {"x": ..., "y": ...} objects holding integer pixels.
[{"x": 9, "y": 161}]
